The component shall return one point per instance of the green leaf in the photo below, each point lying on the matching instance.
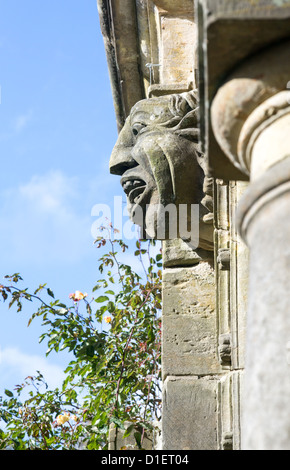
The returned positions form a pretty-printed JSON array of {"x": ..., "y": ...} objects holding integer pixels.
[
  {"x": 101, "y": 299},
  {"x": 8, "y": 393},
  {"x": 137, "y": 436},
  {"x": 100, "y": 358},
  {"x": 48, "y": 351},
  {"x": 49, "y": 291},
  {"x": 90, "y": 351},
  {"x": 96, "y": 288},
  {"x": 61, "y": 305},
  {"x": 128, "y": 431},
  {"x": 118, "y": 422},
  {"x": 111, "y": 307},
  {"x": 62, "y": 311}
]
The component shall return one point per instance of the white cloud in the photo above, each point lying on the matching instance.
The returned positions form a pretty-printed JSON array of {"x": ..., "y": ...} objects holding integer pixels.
[
  {"x": 44, "y": 220},
  {"x": 22, "y": 120},
  {"x": 15, "y": 366},
  {"x": 50, "y": 193}
]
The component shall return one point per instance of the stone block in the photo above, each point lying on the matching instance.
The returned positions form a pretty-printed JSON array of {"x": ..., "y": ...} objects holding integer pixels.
[
  {"x": 178, "y": 253},
  {"x": 190, "y": 413},
  {"x": 189, "y": 321},
  {"x": 177, "y": 49}
]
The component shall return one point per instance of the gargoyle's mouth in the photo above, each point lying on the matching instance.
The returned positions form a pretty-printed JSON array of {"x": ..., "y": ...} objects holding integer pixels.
[{"x": 133, "y": 188}]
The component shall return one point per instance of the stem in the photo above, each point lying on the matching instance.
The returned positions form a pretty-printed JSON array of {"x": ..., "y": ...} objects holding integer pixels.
[
  {"x": 26, "y": 295},
  {"x": 117, "y": 263},
  {"x": 149, "y": 392},
  {"x": 126, "y": 349}
]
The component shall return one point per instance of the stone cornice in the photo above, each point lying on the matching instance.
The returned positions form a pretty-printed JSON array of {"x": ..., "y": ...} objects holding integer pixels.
[
  {"x": 229, "y": 33},
  {"x": 119, "y": 29},
  {"x": 252, "y": 84},
  {"x": 270, "y": 111}
]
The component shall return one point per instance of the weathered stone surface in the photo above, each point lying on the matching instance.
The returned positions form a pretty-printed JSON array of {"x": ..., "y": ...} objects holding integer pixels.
[
  {"x": 222, "y": 269},
  {"x": 118, "y": 442},
  {"x": 189, "y": 291},
  {"x": 264, "y": 207},
  {"x": 190, "y": 413},
  {"x": 189, "y": 321},
  {"x": 248, "y": 8},
  {"x": 177, "y": 253},
  {"x": 202, "y": 344},
  {"x": 239, "y": 280},
  {"x": 147, "y": 42},
  {"x": 119, "y": 29},
  {"x": 240, "y": 105},
  {"x": 250, "y": 118},
  {"x": 157, "y": 156},
  {"x": 229, "y": 32},
  {"x": 177, "y": 35}
]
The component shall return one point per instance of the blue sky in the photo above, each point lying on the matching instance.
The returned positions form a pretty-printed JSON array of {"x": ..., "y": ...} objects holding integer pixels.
[{"x": 57, "y": 130}]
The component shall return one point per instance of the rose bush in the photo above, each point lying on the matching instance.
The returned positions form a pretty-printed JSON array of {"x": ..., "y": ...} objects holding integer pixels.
[{"x": 114, "y": 375}]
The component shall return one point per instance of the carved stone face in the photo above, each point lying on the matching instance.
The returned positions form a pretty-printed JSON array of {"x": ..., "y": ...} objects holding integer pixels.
[{"x": 158, "y": 160}]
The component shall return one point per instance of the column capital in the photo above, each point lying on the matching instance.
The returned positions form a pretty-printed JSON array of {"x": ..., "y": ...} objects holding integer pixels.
[
  {"x": 252, "y": 98},
  {"x": 268, "y": 124},
  {"x": 274, "y": 183}
]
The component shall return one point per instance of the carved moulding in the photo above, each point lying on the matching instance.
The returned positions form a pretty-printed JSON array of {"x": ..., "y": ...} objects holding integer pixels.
[
  {"x": 246, "y": 103},
  {"x": 251, "y": 120}
]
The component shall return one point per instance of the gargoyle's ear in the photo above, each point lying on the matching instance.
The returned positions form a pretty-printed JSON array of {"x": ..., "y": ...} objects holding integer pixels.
[
  {"x": 192, "y": 98},
  {"x": 189, "y": 120},
  {"x": 188, "y": 126}
]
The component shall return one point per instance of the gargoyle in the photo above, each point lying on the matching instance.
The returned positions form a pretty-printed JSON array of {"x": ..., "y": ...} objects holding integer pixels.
[{"x": 158, "y": 158}]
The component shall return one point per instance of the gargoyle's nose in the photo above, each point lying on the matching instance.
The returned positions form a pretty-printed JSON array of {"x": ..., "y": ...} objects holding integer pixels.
[{"x": 121, "y": 157}]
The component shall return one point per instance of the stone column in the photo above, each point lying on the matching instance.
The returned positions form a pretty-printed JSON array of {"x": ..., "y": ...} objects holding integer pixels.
[{"x": 251, "y": 122}]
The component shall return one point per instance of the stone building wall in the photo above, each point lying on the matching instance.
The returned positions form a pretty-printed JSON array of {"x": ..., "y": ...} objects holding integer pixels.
[
  {"x": 244, "y": 70},
  {"x": 156, "y": 55},
  {"x": 161, "y": 47}
]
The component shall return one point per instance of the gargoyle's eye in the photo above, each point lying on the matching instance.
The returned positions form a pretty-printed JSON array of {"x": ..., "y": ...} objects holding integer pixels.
[{"x": 137, "y": 128}]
